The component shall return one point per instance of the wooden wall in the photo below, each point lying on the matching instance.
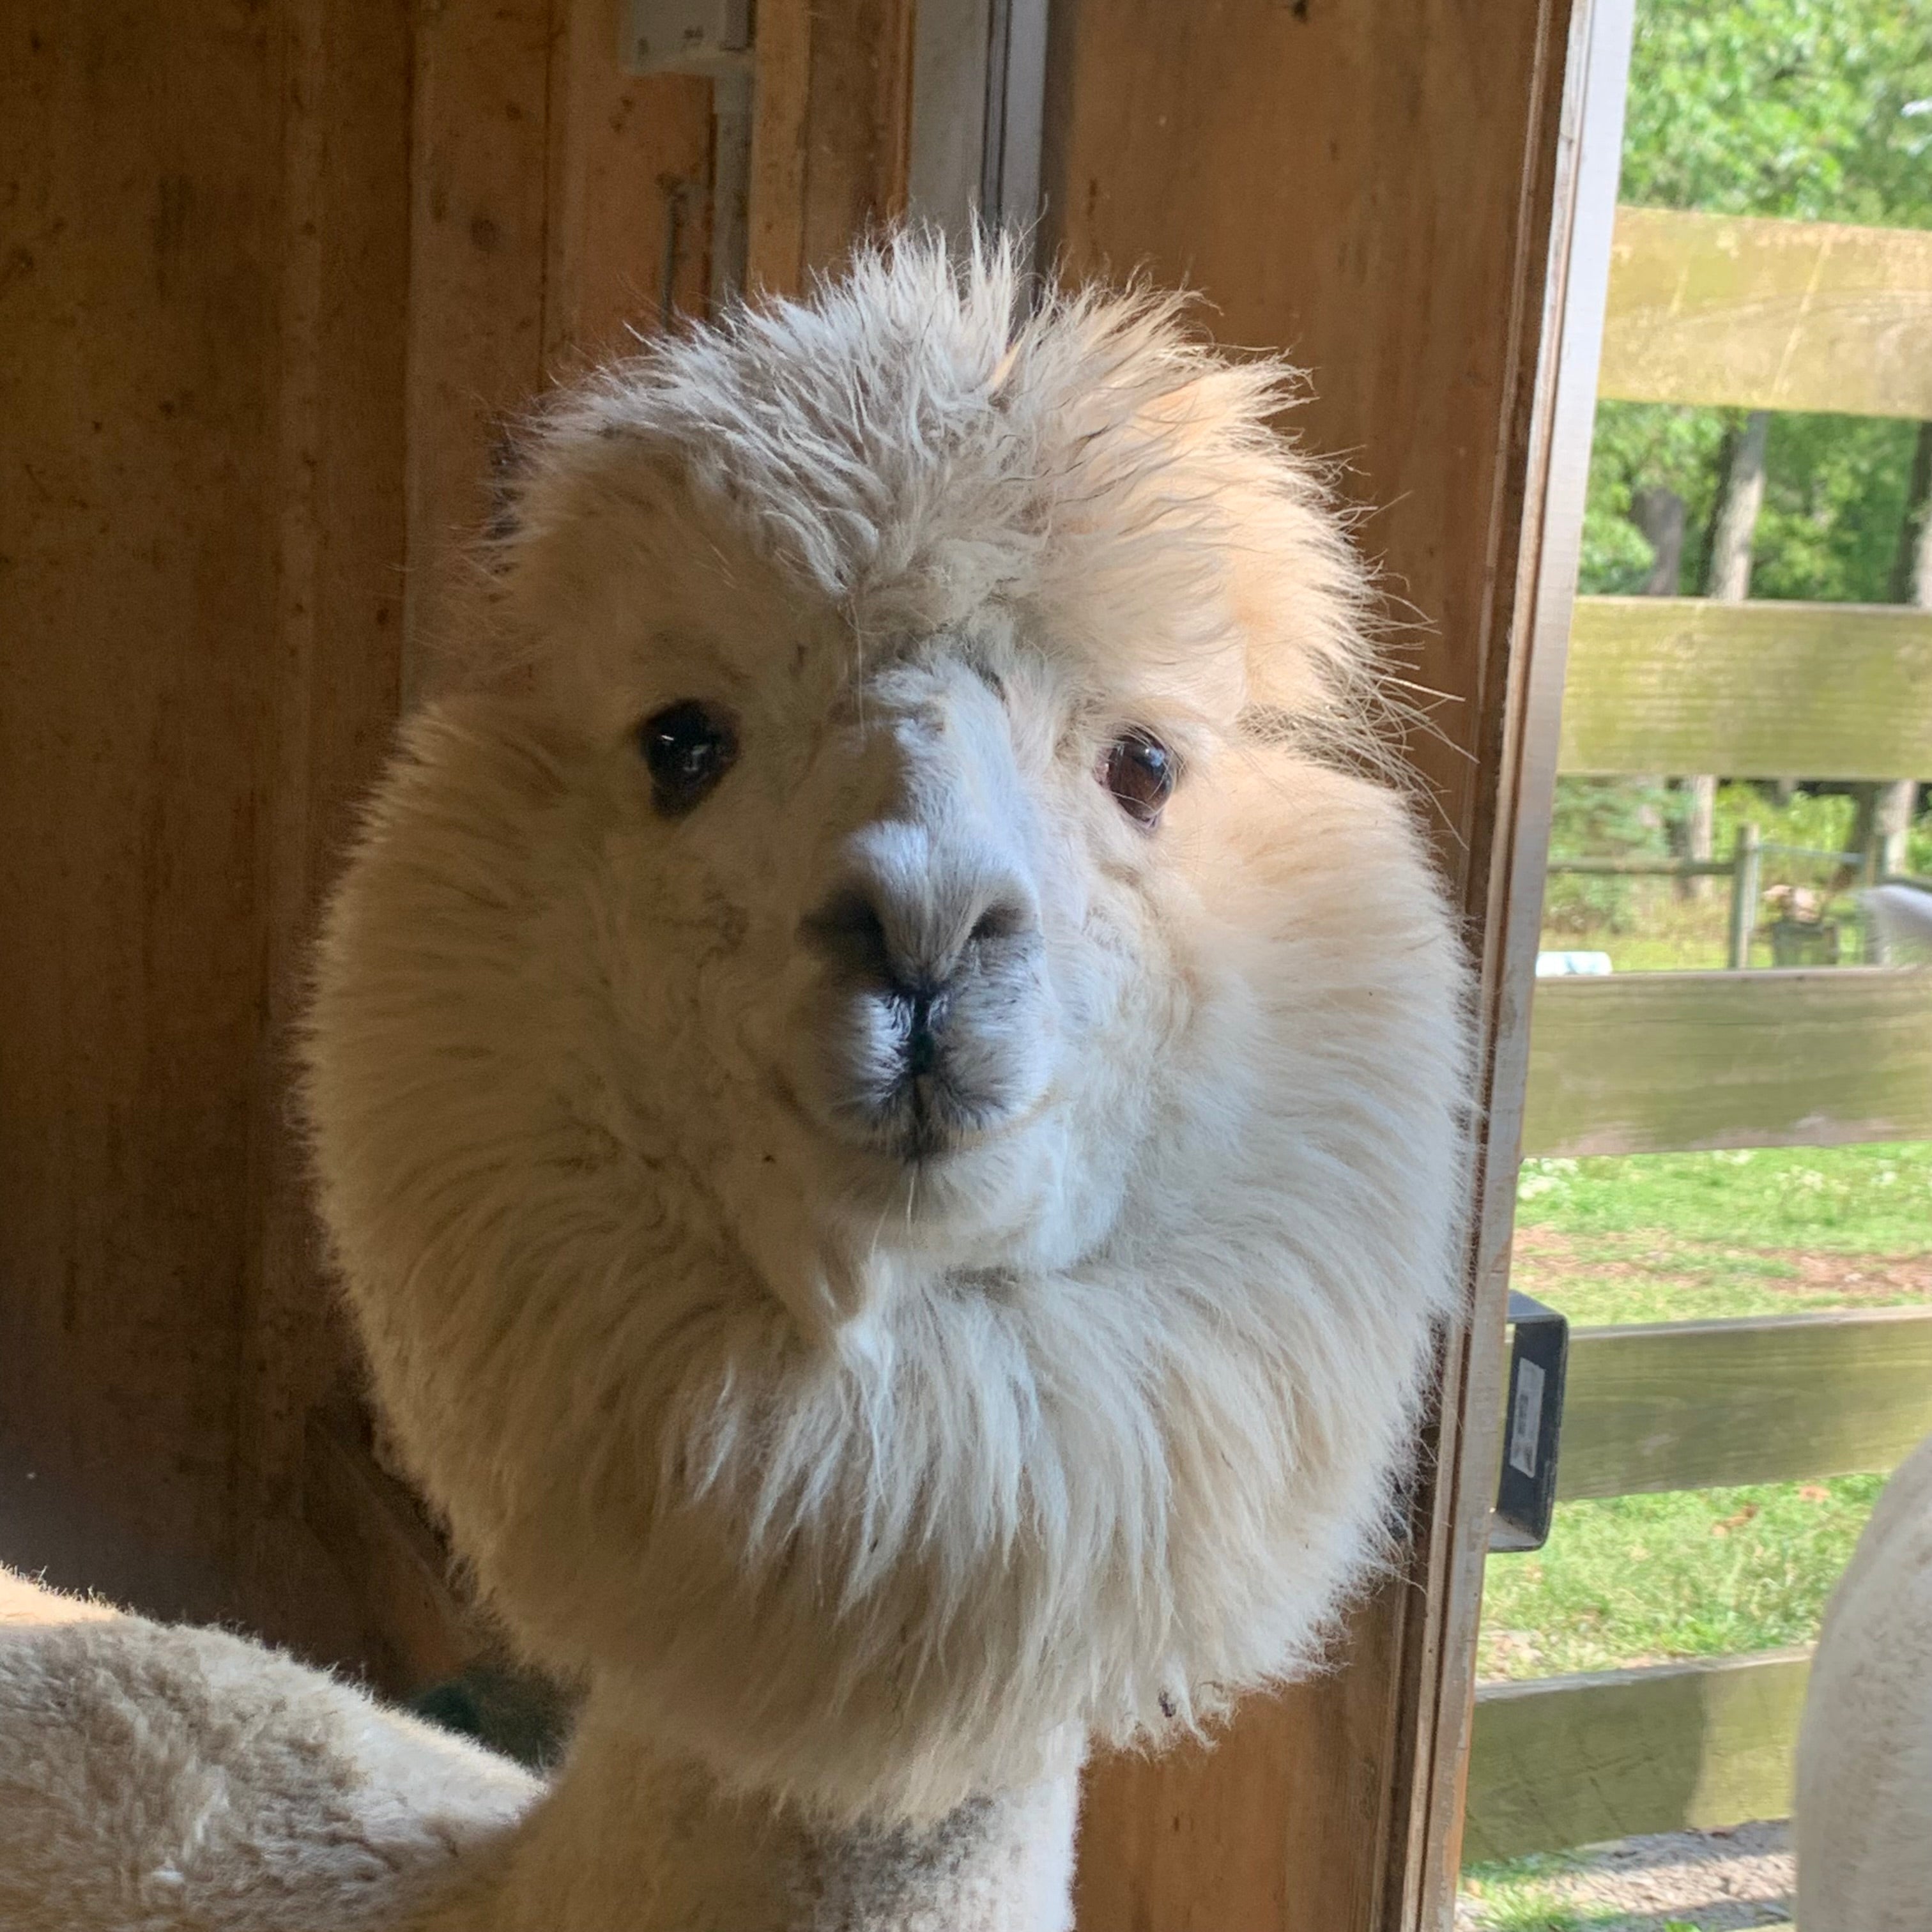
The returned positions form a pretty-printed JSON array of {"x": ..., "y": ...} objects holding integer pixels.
[{"x": 202, "y": 305}]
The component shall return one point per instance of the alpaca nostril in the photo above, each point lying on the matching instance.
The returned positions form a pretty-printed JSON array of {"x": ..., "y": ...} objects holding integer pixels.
[
  {"x": 916, "y": 938},
  {"x": 847, "y": 929},
  {"x": 1004, "y": 919}
]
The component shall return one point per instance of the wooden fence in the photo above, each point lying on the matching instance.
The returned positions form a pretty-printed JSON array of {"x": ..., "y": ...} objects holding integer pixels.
[{"x": 1765, "y": 315}]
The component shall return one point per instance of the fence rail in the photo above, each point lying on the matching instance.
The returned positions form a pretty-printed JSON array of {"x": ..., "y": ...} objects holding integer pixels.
[
  {"x": 1753, "y": 690},
  {"x": 1768, "y": 315},
  {"x": 1647, "y": 1063},
  {"x": 1701, "y": 1404},
  {"x": 1572, "y": 1760}
]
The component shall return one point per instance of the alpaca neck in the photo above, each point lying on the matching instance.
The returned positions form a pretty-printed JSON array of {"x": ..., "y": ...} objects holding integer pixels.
[{"x": 629, "y": 1841}]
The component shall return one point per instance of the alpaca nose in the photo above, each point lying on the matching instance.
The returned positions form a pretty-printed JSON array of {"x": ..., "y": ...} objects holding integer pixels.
[{"x": 910, "y": 918}]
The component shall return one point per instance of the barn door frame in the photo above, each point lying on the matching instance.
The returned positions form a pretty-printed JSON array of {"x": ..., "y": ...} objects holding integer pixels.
[{"x": 1468, "y": 1455}]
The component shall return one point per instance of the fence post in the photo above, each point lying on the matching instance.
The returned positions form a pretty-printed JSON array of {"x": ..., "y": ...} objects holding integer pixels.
[{"x": 1745, "y": 863}]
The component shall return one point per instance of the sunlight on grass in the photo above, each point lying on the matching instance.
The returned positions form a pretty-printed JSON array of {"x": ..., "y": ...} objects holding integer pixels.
[
  {"x": 1649, "y": 1580},
  {"x": 1519, "y": 1895},
  {"x": 1875, "y": 1199}
]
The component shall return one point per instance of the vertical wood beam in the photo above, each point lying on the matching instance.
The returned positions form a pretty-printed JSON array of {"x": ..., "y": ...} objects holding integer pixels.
[
  {"x": 831, "y": 117},
  {"x": 478, "y": 247},
  {"x": 341, "y": 348}
]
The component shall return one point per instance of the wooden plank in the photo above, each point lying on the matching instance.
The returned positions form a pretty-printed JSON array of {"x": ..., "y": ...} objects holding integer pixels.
[
  {"x": 1301, "y": 166},
  {"x": 1700, "y": 1405},
  {"x": 1465, "y": 1443},
  {"x": 831, "y": 119},
  {"x": 141, "y": 164},
  {"x": 1687, "y": 684},
  {"x": 1644, "y": 1063},
  {"x": 1565, "y": 1761},
  {"x": 1769, "y": 315},
  {"x": 477, "y": 256},
  {"x": 627, "y": 207},
  {"x": 341, "y": 345}
]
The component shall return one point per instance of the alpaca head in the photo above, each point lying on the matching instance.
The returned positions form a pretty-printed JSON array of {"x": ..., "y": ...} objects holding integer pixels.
[{"x": 888, "y": 1104}]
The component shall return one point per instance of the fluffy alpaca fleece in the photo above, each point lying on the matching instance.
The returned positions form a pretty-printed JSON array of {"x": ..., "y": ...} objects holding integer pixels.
[
  {"x": 1864, "y": 1814},
  {"x": 904, "y": 1267},
  {"x": 153, "y": 1778}
]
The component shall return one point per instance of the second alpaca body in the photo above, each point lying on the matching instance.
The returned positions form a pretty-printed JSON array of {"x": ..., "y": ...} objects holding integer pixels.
[{"x": 888, "y": 1090}]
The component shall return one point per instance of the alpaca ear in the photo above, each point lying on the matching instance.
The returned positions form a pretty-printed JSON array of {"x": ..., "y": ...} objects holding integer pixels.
[{"x": 1296, "y": 591}]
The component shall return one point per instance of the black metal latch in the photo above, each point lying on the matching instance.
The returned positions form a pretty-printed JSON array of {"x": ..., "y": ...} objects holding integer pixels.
[{"x": 1532, "y": 1425}]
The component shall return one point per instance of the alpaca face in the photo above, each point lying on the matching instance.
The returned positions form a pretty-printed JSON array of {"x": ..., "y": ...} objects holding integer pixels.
[
  {"x": 890, "y": 1110},
  {"x": 939, "y": 970}
]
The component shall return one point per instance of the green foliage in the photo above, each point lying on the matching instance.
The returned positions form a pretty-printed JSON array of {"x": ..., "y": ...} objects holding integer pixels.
[
  {"x": 1601, "y": 818},
  {"x": 1815, "y": 109},
  {"x": 1834, "y": 498},
  {"x": 1525, "y": 1895},
  {"x": 1637, "y": 445}
]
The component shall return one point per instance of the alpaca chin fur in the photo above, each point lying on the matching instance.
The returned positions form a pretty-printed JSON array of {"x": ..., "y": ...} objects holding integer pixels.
[{"x": 877, "y": 1491}]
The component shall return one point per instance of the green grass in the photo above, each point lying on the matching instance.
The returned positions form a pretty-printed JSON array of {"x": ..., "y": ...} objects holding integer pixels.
[
  {"x": 1871, "y": 1200},
  {"x": 1649, "y": 1579},
  {"x": 1525, "y": 1895}
]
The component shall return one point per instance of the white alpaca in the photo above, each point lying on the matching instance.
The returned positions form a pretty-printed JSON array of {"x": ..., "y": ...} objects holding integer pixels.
[
  {"x": 888, "y": 1095},
  {"x": 1863, "y": 1821}
]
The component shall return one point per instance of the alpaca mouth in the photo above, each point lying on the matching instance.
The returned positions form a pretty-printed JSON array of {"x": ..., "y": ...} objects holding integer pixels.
[{"x": 922, "y": 1119}]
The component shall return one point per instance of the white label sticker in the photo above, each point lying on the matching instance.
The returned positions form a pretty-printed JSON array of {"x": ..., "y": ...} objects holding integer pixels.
[{"x": 1526, "y": 1424}]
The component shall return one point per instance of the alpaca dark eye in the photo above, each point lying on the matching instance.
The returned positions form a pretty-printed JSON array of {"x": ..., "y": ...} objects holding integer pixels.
[
  {"x": 688, "y": 748},
  {"x": 1139, "y": 770}
]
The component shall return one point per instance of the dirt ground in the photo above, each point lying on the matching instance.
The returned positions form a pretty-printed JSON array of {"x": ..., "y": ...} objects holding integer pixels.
[
  {"x": 1715, "y": 1881},
  {"x": 1545, "y": 1257}
]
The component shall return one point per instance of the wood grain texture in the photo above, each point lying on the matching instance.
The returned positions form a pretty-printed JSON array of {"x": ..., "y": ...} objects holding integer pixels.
[
  {"x": 1648, "y": 1062},
  {"x": 341, "y": 348},
  {"x": 627, "y": 216},
  {"x": 1566, "y": 1761},
  {"x": 479, "y": 171},
  {"x": 1769, "y": 315},
  {"x": 1370, "y": 190},
  {"x": 830, "y": 124},
  {"x": 1702, "y": 1404},
  {"x": 147, "y": 610},
  {"x": 1689, "y": 684},
  {"x": 1468, "y": 1440}
]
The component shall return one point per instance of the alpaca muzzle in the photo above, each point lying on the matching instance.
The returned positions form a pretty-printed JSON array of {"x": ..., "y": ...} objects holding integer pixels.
[{"x": 934, "y": 1020}]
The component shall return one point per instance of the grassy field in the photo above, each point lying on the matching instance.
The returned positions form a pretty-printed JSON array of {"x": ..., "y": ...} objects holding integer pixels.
[{"x": 1644, "y": 1579}]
